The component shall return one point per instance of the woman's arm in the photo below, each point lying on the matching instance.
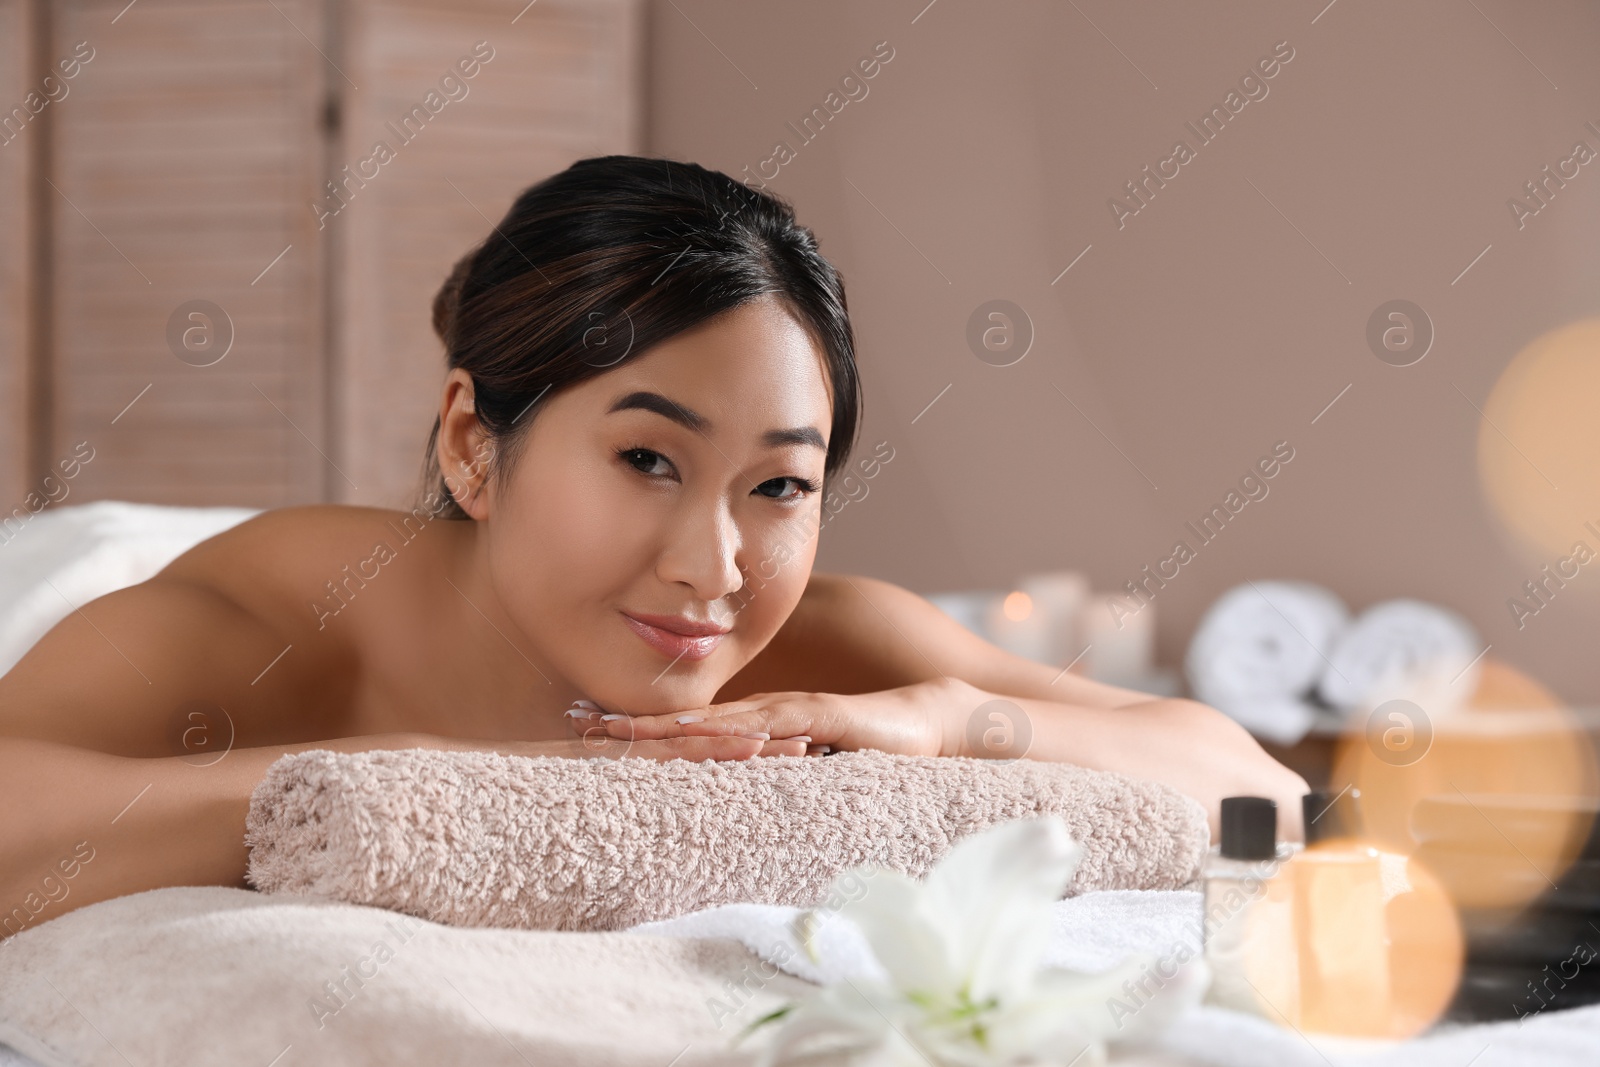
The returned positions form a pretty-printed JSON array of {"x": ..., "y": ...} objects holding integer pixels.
[
  {"x": 854, "y": 634},
  {"x": 86, "y": 826},
  {"x": 896, "y": 673},
  {"x": 1183, "y": 743},
  {"x": 119, "y": 766}
]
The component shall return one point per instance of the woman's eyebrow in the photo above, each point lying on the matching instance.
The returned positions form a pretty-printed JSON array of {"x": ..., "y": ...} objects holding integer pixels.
[
  {"x": 645, "y": 400},
  {"x": 667, "y": 408},
  {"x": 800, "y": 435}
]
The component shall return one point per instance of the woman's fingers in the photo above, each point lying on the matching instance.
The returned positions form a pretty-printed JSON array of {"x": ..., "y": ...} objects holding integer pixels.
[
  {"x": 817, "y": 716},
  {"x": 704, "y": 748},
  {"x": 642, "y": 727},
  {"x": 694, "y": 749},
  {"x": 672, "y": 724},
  {"x": 784, "y": 720},
  {"x": 794, "y": 724},
  {"x": 583, "y": 717},
  {"x": 617, "y": 738},
  {"x": 591, "y": 722}
]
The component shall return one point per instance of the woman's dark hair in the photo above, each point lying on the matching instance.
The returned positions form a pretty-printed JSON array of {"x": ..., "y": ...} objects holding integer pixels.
[{"x": 595, "y": 265}]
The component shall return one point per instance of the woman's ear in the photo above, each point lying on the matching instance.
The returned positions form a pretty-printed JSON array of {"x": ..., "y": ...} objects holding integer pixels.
[{"x": 463, "y": 450}]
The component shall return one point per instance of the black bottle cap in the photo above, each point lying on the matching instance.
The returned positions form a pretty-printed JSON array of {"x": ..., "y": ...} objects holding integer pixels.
[
  {"x": 1328, "y": 815},
  {"x": 1249, "y": 828}
]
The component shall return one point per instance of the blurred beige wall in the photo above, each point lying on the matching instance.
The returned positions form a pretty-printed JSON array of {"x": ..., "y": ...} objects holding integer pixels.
[{"x": 1222, "y": 318}]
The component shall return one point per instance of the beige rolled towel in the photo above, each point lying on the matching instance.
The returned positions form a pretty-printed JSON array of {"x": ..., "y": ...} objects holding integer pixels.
[{"x": 482, "y": 839}]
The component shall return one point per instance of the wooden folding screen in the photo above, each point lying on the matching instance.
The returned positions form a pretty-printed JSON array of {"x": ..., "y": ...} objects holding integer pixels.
[{"x": 181, "y": 287}]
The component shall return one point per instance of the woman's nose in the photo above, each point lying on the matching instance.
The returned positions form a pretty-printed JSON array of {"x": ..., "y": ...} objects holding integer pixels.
[{"x": 702, "y": 551}]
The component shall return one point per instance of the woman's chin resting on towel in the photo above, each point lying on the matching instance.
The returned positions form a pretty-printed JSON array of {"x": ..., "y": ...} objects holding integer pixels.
[{"x": 628, "y": 473}]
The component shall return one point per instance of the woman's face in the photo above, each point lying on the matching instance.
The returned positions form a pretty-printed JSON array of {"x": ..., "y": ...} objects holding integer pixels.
[{"x": 644, "y": 499}]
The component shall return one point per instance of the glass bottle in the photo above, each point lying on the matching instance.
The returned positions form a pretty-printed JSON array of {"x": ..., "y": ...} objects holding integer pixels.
[
  {"x": 1249, "y": 915},
  {"x": 1341, "y": 933}
]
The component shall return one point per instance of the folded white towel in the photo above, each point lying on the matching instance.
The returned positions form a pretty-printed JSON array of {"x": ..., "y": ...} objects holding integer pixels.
[
  {"x": 62, "y": 558},
  {"x": 1403, "y": 649},
  {"x": 1260, "y": 651},
  {"x": 1093, "y": 932},
  {"x": 770, "y": 931}
]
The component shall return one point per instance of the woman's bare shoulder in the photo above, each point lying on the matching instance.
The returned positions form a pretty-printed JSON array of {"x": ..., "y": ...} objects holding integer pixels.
[
  {"x": 253, "y": 620},
  {"x": 284, "y": 558},
  {"x": 847, "y": 634},
  {"x": 290, "y": 531},
  {"x": 224, "y": 631}
]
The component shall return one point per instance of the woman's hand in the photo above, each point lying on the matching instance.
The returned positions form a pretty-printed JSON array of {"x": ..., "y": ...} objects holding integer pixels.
[
  {"x": 595, "y": 742},
  {"x": 1199, "y": 751},
  {"x": 1183, "y": 743},
  {"x": 914, "y": 720}
]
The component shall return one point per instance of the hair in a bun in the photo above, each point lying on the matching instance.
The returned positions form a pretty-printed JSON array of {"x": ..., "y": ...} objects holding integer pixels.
[
  {"x": 446, "y": 299},
  {"x": 626, "y": 251}
]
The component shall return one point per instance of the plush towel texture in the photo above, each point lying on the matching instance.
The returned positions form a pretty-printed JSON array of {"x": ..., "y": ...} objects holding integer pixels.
[
  {"x": 209, "y": 975},
  {"x": 214, "y": 975},
  {"x": 482, "y": 839}
]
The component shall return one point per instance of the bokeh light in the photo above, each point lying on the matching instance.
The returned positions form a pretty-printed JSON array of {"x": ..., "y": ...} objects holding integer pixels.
[
  {"x": 1539, "y": 443},
  {"x": 1501, "y": 803},
  {"x": 1369, "y": 943},
  {"x": 1017, "y": 606}
]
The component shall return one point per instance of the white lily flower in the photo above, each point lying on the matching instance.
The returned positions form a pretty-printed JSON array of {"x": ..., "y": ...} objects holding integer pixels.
[{"x": 963, "y": 952}]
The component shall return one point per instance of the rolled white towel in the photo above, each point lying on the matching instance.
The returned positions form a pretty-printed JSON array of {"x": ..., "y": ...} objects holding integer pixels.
[
  {"x": 1403, "y": 649},
  {"x": 1260, "y": 651},
  {"x": 62, "y": 558}
]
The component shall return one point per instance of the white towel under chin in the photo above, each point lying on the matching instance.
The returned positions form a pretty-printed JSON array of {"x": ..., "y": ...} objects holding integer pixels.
[
  {"x": 1403, "y": 650},
  {"x": 1260, "y": 651}
]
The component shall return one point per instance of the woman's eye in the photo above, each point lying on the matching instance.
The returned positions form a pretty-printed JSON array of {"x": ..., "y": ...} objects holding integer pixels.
[
  {"x": 780, "y": 488},
  {"x": 646, "y": 461}
]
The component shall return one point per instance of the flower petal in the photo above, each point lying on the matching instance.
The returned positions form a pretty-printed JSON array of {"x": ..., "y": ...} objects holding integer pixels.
[
  {"x": 908, "y": 941},
  {"x": 993, "y": 894},
  {"x": 841, "y": 1021},
  {"x": 1169, "y": 998},
  {"x": 1061, "y": 1014}
]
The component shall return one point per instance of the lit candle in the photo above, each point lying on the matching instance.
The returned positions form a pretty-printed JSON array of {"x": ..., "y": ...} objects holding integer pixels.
[
  {"x": 1016, "y": 625},
  {"x": 1060, "y": 596},
  {"x": 1121, "y": 647}
]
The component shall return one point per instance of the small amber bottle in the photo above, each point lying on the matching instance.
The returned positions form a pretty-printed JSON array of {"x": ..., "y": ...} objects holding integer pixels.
[{"x": 1341, "y": 935}]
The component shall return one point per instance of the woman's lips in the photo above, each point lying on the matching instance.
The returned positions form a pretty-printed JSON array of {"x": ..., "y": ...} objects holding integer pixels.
[{"x": 674, "y": 645}]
